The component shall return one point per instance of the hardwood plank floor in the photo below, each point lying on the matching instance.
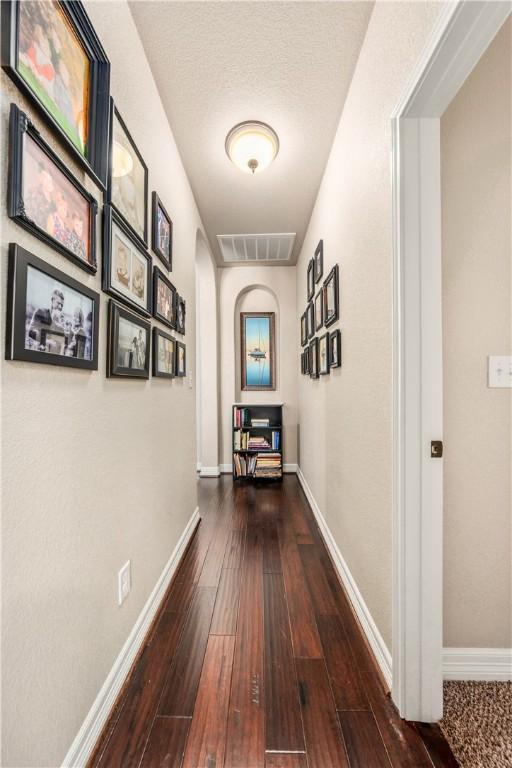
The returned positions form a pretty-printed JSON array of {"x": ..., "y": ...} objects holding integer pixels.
[{"x": 256, "y": 659}]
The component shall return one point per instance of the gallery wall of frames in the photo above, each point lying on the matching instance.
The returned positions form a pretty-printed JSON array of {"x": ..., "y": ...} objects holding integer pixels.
[
  {"x": 321, "y": 353},
  {"x": 53, "y": 55}
]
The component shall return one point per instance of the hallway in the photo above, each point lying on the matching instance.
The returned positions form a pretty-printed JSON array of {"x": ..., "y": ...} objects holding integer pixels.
[{"x": 256, "y": 658}]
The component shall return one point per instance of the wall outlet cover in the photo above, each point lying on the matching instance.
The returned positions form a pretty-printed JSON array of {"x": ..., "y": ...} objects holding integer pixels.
[{"x": 499, "y": 371}]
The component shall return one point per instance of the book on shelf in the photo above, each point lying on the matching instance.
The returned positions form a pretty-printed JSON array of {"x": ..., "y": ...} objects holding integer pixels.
[
  {"x": 260, "y": 422},
  {"x": 276, "y": 440},
  {"x": 241, "y": 417},
  {"x": 243, "y": 466},
  {"x": 268, "y": 465}
]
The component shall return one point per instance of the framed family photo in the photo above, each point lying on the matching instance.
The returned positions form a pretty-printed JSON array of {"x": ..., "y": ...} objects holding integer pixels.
[
  {"x": 161, "y": 232},
  {"x": 313, "y": 358},
  {"x": 323, "y": 354},
  {"x": 164, "y": 354},
  {"x": 126, "y": 265},
  {"x": 51, "y": 318},
  {"x": 310, "y": 320},
  {"x": 335, "y": 349},
  {"x": 45, "y": 198},
  {"x": 331, "y": 297},
  {"x": 52, "y": 53},
  {"x": 303, "y": 330},
  {"x": 129, "y": 342},
  {"x": 180, "y": 314},
  {"x": 164, "y": 299},
  {"x": 257, "y": 346},
  {"x": 306, "y": 361},
  {"x": 319, "y": 260},
  {"x": 127, "y": 188},
  {"x": 181, "y": 359},
  {"x": 310, "y": 278},
  {"x": 319, "y": 310}
]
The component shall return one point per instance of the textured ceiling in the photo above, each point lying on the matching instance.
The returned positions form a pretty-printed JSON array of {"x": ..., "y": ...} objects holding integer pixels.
[{"x": 288, "y": 64}]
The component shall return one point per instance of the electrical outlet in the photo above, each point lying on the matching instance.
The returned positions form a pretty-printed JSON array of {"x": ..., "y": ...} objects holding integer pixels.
[
  {"x": 499, "y": 371},
  {"x": 124, "y": 582}
]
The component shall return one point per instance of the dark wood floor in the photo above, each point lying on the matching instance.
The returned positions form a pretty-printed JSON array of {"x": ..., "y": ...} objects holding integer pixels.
[{"x": 256, "y": 659}]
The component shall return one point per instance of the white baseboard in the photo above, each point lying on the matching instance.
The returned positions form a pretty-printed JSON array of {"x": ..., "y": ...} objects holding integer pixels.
[
  {"x": 209, "y": 471},
  {"x": 377, "y": 644},
  {"x": 477, "y": 664},
  {"x": 287, "y": 468},
  {"x": 85, "y": 740}
]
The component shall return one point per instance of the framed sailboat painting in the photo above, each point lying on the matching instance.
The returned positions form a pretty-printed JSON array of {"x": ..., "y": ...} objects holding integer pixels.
[{"x": 257, "y": 350}]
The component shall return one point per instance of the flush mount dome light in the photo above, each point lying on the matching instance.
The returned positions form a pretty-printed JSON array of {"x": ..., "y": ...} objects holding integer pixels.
[{"x": 252, "y": 146}]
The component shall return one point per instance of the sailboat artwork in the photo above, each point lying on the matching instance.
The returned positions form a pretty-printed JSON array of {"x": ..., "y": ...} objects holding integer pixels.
[{"x": 257, "y": 335}]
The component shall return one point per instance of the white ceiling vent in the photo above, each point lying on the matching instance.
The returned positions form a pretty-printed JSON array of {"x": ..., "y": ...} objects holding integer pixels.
[{"x": 236, "y": 249}]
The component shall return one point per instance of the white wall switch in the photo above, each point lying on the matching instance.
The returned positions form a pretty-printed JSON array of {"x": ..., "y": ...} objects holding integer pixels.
[
  {"x": 124, "y": 582},
  {"x": 499, "y": 371}
]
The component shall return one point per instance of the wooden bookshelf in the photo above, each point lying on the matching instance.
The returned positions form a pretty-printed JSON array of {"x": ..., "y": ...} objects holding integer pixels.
[{"x": 257, "y": 447}]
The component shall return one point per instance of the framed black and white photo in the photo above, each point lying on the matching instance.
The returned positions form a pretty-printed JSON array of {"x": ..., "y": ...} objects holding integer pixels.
[
  {"x": 127, "y": 188},
  {"x": 335, "y": 349},
  {"x": 331, "y": 297},
  {"x": 180, "y": 314},
  {"x": 310, "y": 279},
  {"x": 164, "y": 299},
  {"x": 303, "y": 330},
  {"x": 129, "y": 343},
  {"x": 302, "y": 362},
  {"x": 51, "y": 318},
  {"x": 313, "y": 358},
  {"x": 164, "y": 354},
  {"x": 319, "y": 310},
  {"x": 45, "y": 198},
  {"x": 126, "y": 265},
  {"x": 52, "y": 53},
  {"x": 319, "y": 260},
  {"x": 181, "y": 359},
  {"x": 310, "y": 320},
  {"x": 306, "y": 361},
  {"x": 323, "y": 354},
  {"x": 161, "y": 232}
]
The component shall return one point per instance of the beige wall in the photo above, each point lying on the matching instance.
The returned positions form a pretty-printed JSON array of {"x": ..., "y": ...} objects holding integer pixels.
[
  {"x": 345, "y": 418},
  {"x": 259, "y": 289},
  {"x": 476, "y": 197},
  {"x": 95, "y": 471}
]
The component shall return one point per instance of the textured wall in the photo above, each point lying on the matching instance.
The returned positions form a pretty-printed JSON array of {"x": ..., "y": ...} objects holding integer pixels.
[
  {"x": 477, "y": 315},
  {"x": 94, "y": 471},
  {"x": 345, "y": 418}
]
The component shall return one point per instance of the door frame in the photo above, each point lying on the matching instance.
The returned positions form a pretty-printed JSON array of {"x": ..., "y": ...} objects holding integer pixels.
[{"x": 461, "y": 35}]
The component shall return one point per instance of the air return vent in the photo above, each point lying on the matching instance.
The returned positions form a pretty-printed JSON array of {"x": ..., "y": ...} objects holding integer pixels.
[{"x": 256, "y": 248}]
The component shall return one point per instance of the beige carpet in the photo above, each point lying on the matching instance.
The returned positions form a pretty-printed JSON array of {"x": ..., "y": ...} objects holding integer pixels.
[{"x": 477, "y": 723}]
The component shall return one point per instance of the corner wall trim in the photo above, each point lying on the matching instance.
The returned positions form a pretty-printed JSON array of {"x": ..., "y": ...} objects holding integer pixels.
[
  {"x": 209, "y": 471},
  {"x": 477, "y": 664},
  {"x": 86, "y": 738},
  {"x": 375, "y": 639}
]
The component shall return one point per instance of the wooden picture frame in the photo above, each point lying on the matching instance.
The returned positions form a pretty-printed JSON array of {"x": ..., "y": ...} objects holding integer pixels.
[
  {"x": 257, "y": 355},
  {"x": 319, "y": 310},
  {"x": 91, "y": 151},
  {"x": 310, "y": 320},
  {"x": 181, "y": 354},
  {"x": 323, "y": 354},
  {"x": 41, "y": 188},
  {"x": 310, "y": 279},
  {"x": 168, "y": 369},
  {"x": 128, "y": 344},
  {"x": 64, "y": 314},
  {"x": 303, "y": 330},
  {"x": 335, "y": 349},
  {"x": 319, "y": 260},
  {"x": 181, "y": 309},
  {"x": 164, "y": 298},
  {"x": 313, "y": 358},
  {"x": 331, "y": 297},
  {"x": 157, "y": 241},
  {"x": 126, "y": 267}
]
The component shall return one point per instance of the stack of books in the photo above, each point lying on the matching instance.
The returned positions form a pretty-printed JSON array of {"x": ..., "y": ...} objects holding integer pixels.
[
  {"x": 258, "y": 443},
  {"x": 240, "y": 417},
  {"x": 268, "y": 465},
  {"x": 260, "y": 422},
  {"x": 240, "y": 440},
  {"x": 243, "y": 465}
]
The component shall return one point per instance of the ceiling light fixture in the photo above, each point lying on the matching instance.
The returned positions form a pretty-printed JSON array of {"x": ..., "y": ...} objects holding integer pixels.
[{"x": 252, "y": 146}]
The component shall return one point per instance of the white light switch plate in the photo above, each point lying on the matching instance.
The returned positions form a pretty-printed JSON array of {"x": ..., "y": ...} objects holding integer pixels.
[
  {"x": 124, "y": 582},
  {"x": 499, "y": 371}
]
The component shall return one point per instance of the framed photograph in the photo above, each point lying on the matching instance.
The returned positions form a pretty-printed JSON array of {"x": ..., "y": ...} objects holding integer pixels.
[
  {"x": 302, "y": 362},
  {"x": 257, "y": 350},
  {"x": 303, "y": 330},
  {"x": 127, "y": 188},
  {"x": 319, "y": 260},
  {"x": 311, "y": 279},
  {"x": 51, "y": 52},
  {"x": 335, "y": 349},
  {"x": 51, "y": 318},
  {"x": 164, "y": 354},
  {"x": 313, "y": 358},
  {"x": 161, "y": 232},
  {"x": 129, "y": 341},
  {"x": 319, "y": 310},
  {"x": 44, "y": 197},
  {"x": 181, "y": 359},
  {"x": 306, "y": 361},
  {"x": 310, "y": 320},
  {"x": 180, "y": 314},
  {"x": 126, "y": 265},
  {"x": 164, "y": 299},
  {"x": 331, "y": 297},
  {"x": 323, "y": 354}
]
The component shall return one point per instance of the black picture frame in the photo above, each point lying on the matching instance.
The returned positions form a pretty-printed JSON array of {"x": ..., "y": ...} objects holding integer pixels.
[
  {"x": 158, "y": 275},
  {"x": 331, "y": 314},
  {"x": 111, "y": 219},
  {"x": 20, "y": 260},
  {"x": 323, "y": 370},
  {"x": 335, "y": 342},
  {"x": 166, "y": 259},
  {"x": 181, "y": 309},
  {"x": 95, "y": 160},
  {"x": 319, "y": 310},
  {"x": 319, "y": 260},
  {"x": 20, "y": 127},
  {"x": 181, "y": 345},
  {"x": 306, "y": 361},
  {"x": 313, "y": 358},
  {"x": 310, "y": 279},
  {"x": 310, "y": 320},
  {"x": 116, "y": 313},
  {"x": 303, "y": 330},
  {"x": 157, "y": 334},
  {"x": 114, "y": 114}
]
